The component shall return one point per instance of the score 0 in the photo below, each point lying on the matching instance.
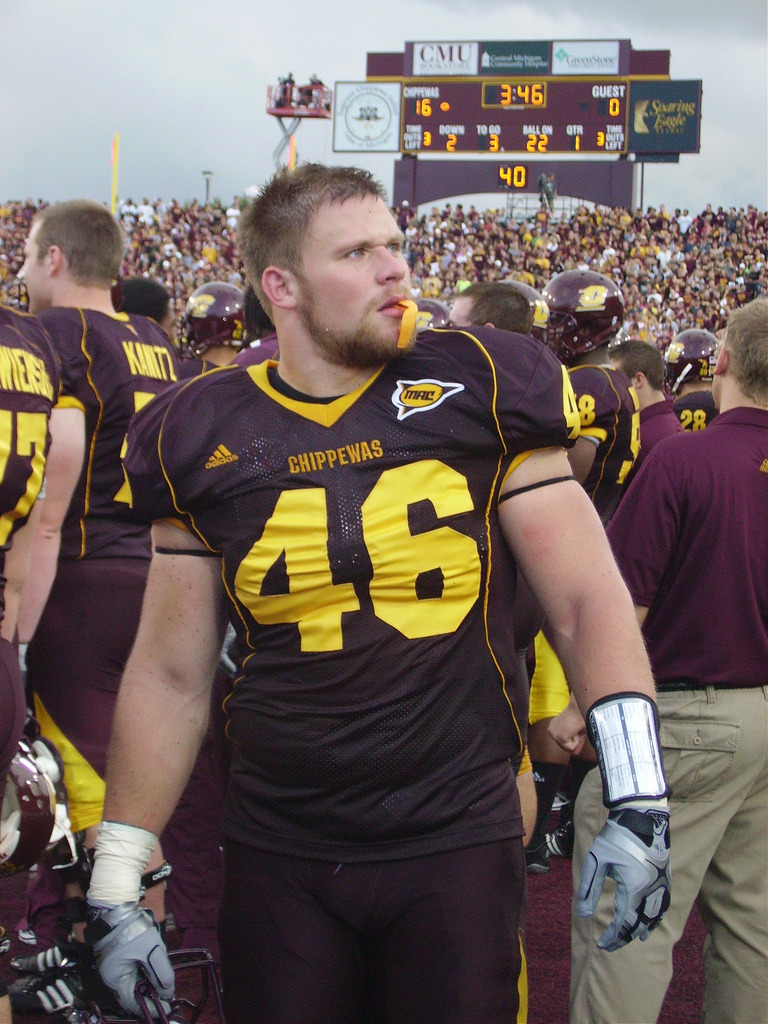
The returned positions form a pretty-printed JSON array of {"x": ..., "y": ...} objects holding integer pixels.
[{"x": 513, "y": 176}]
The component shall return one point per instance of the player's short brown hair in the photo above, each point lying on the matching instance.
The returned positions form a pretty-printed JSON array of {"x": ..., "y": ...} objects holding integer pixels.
[
  {"x": 635, "y": 356},
  {"x": 494, "y": 302},
  {"x": 746, "y": 338},
  {"x": 88, "y": 236},
  {"x": 272, "y": 227}
]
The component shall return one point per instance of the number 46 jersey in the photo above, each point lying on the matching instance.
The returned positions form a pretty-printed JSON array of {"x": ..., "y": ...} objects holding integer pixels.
[{"x": 369, "y": 582}]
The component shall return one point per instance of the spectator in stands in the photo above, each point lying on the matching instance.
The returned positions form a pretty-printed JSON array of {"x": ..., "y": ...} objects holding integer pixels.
[
  {"x": 146, "y": 213},
  {"x": 233, "y": 214},
  {"x": 700, "y": 282}
]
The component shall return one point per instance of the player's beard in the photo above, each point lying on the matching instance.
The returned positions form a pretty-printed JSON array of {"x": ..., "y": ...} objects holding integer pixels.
[
  {"x": 38, "y": 303},
  {"x": 37, "y": 298},
  {"x": 362, "y": 348}
]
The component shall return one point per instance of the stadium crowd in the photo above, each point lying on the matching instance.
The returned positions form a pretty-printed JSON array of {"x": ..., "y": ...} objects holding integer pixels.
[
  {"x": 599, "y": 393},
  {"x": 676, "y": 270}
]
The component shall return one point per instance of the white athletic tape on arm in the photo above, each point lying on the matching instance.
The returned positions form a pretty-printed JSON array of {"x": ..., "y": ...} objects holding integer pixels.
[
  {"x": 625, "y": 734},
  {"x": 121, "y": 858}
]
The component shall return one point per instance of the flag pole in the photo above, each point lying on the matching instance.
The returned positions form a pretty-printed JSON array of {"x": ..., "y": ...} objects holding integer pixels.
[{"x": 114, "y": 163}]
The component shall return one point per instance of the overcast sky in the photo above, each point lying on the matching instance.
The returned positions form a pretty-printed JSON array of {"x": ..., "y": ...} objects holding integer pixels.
[{"x": 184, "y": 83}]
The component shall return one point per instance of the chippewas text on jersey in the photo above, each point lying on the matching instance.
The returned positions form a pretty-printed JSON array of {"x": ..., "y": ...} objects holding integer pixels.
[{"x": 360, "y": 451}]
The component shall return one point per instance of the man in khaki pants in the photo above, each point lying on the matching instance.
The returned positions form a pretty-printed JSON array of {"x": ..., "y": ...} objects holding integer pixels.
[{"x": 691, "y": 540}]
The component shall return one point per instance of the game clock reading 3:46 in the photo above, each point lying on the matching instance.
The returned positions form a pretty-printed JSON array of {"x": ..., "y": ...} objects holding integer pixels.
[{"x": 541, "y": 115}]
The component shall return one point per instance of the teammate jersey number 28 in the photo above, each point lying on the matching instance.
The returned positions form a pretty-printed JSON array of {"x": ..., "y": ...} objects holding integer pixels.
[
  {"x": 693, "y": 419},
  {"x": 297, "y": 532}
]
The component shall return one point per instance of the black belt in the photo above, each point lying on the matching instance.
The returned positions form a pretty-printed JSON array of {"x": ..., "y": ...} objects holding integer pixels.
[
  {"x": 676, "y": 685},
  {"x": 679, "y": 685}
]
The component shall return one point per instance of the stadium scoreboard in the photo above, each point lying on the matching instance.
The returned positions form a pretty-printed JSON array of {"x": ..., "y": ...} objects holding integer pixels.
[
  {"x": 576, "y": 105},
  {"x": 541, "y": 115}
]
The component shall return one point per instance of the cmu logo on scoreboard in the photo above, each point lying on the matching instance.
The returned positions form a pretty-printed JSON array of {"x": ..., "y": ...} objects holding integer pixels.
[
  {"x": 420, "y": 395},
  {"x": 445, "y": 59}
]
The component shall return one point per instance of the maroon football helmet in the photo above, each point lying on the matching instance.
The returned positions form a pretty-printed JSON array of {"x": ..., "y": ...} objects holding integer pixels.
[
  {"x": 538, "y": 305},
  {"x": 586, "y": 310},
  {"x": 28, "y": 814},
  {"x": 431, "y": 314},
  {"x": 197, "y": 979},
  {"x": 690, "y": 358},
  {"x": 214, "y": 316}
]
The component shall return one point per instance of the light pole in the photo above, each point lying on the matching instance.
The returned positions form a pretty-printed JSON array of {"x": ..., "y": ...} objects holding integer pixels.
[{"x": 207, "y": 175}]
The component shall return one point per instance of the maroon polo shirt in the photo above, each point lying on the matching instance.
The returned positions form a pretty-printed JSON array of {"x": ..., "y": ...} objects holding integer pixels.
[
  {"x": 657, "y": 421},
  {"x": 691, "y": 540}
]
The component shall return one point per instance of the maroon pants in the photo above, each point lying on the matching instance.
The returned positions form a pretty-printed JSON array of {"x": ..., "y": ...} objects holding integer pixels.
[
  {"x": 76, "y": 658},
  {"x": 421, "y": 940},
  {"x": 74, "y": 664},
  {"x": 13, "y": 707}
]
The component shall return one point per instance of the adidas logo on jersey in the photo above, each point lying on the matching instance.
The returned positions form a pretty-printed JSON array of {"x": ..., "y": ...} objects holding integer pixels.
[
  {"x": 419, "y": 395},
  {"x": 221, "y": 457},
  {"x": 764, "y": 466}
]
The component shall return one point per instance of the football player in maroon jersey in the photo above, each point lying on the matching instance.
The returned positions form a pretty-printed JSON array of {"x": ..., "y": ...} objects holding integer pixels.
[
  {"x": 29, "y": 388},
  {"x": 260, "y": 337},
  {"x": 586, "y": 312},
  {"x": 361, "y": 513},
  {"x": 81, "y": 601},
  {"x": 689, "y": 362},
  {"x": 512, "y": 308},
  {"x": 212, "y": 324}
]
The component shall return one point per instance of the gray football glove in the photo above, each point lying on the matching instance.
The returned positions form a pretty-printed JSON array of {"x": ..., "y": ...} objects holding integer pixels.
[
  {"x": 123, "y": 939},
  {"x": 633, "y": 849}
]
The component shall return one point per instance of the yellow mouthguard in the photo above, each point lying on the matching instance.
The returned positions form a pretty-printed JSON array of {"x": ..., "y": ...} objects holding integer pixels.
[{"x": 408, "y": 323}]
